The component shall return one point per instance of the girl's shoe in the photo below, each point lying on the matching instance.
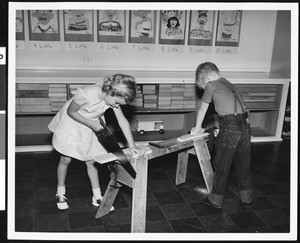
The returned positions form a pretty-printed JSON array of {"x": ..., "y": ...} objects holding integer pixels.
[
  {"x": 97, "y": 202},
  {"x": 61, "y": 202}
]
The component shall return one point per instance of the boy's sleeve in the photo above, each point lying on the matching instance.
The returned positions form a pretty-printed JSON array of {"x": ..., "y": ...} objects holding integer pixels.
[
  {"x": 208, "y": 91},
  {"x": 80, "y": 97}
]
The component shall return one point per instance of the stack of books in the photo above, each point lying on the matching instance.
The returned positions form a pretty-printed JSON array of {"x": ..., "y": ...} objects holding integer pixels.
[
  {"x": 177, "y": 96},
  {"x": 150, "y": 96},
  {"x": 138, "y": 101},
  {"x": 32, "y": 98},
  {"x": 164, "y": 96},
  {"x": 57, "y": 95},
  {"x": 189, "y": 98}
]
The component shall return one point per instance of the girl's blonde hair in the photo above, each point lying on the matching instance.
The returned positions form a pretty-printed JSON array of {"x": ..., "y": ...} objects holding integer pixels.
[{"x": 120, "y": 85}]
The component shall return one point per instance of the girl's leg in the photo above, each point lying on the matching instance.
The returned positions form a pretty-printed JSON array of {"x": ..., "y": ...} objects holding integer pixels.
[
  {"x": 62, "y": 170},
  {"x": 94, "y": 178}
]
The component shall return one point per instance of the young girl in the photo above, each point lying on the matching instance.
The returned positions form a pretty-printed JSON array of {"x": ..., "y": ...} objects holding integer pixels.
[{"x": 74, "y": 125}]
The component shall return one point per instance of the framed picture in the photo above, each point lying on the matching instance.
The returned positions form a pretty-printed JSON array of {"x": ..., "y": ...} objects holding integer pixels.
[
  {"x": 228, "y": 28},
  {"x": 78, "y": 25},
  {"x": 172, "y": 27},
  {"x": 201, "y": 27},
  {"x": 142, "y": 26},
  {"x": 111, "y": 25},
  {"x": 20, "y": 25},
  {"x": 43, "y": 25}
]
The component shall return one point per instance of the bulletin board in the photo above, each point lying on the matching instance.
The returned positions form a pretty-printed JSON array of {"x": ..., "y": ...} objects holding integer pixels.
[{"x": 147, "y": 41}]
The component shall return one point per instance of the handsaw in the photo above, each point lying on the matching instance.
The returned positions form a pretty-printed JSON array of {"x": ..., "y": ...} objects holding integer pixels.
[{"x": 110, "y": 143}]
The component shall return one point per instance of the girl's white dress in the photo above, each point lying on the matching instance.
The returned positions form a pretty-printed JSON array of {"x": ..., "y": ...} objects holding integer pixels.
[{"x": 72, "y": 138}]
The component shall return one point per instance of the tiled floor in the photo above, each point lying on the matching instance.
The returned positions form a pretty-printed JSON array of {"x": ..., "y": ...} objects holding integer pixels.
[{"x": 170, "y": 208}]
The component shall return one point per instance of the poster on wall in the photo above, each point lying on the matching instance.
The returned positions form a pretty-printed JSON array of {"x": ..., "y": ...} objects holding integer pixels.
[
  {"x": 172, "y": 27},
  {"x": 20, "y": 25},
  {"x": 43, "y": 25},
  {"x": 78, "y": 25},
  {"x": 201, "y": 27},
  {"x": 142, "y": 26},
  {"x": 111, "y": 25},
  {"x": 228, "y": 28}
]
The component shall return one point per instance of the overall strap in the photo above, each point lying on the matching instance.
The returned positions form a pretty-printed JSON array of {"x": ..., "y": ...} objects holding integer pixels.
[{"x": 236, "y": 95}]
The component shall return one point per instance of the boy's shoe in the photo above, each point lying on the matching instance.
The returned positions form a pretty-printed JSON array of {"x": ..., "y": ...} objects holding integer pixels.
[
  {"x": 61, "y": 202},
  {"x": 209, "y": 203},
  {"x": 97, "y": 202}
]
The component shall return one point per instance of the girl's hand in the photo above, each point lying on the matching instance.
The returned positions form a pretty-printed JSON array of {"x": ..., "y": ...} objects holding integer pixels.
[
  {"x": 96, "y": 126},
  {"x": 136, "y": 150}
]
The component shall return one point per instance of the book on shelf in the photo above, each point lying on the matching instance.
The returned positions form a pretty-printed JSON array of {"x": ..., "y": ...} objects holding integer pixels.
[
  {"x": 57, "y": 89},
  {"x": 34, "y": 101},
  {"x": 35, "y": 108},
  {"x": 56, "y": 94},
  {"x": 28, "y": 86},
  {"x": 58, "y": 99},
  {"x": 32, "y": 94},
  {"x": 149, "y": 91}
]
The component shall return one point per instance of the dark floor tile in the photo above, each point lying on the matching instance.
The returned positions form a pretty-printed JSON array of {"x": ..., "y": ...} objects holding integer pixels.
[
  {"x": 156, "y": 175},
  {"x": 220, "y": 223},
  {"x": 81, "y": 205},
  {"x": 45, "y": 194},
  {"x": 45, "y": 182},
  {"x": 282, "y": 228},
  {"x": 233, "y": 205},
  {"x": 260, "y": 179},
  {"x": 80, "y": 191},
  {"x": 24, "y": 224},
  {"x": 273, "y": 216},
  {"x": 154, "y": 213},
  {"x": 269, "y": 189},
  {"x": 24, "y": 184},
  {"x": 83, "y": 220},
  {"x": 46, "y": 207},
  {"x": 158, "y": 226},
  {"x": 187, "y": 225},
  {"x": 260, "y": 203},
  {"x": 193, "y": 194},
  {"x": 177, "y": 210},
  {"x": 201, "y": 209},
  {"x": 118, "y": 228},
  {"x": 50, "y": 223},
  {"x": 171, "y": 174},
  {"x": 161, "y": 186},
  {"x": 168, "y": 197},
  {"x": 246, "y": 220},
  {"x": 24, "y": 205},
  {"x": 119, "y": 216}
]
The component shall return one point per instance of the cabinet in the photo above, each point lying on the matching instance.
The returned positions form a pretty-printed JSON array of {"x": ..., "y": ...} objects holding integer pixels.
[{"x": 265, "y": 97}]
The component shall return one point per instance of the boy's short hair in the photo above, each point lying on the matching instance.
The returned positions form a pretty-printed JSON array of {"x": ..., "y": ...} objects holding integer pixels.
[
  {"x": 204, "y": 68},
  {"x": 120, "y": 85}
]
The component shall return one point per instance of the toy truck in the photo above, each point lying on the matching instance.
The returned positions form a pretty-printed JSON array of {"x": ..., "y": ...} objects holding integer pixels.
[{"x": 147, "y": 125}]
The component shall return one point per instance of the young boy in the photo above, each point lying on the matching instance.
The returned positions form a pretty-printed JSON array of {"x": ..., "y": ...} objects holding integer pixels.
[{"x": 233, "y": 142}]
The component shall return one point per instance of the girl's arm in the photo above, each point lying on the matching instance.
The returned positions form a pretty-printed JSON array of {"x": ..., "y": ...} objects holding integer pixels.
[
  {"x": 125, "y": 126},
  {"x": 72, "y": 111}
]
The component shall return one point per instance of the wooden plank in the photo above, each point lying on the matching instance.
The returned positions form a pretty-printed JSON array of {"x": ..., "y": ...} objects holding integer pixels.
[
  {"x": 139, "y": 195},
  {"x": 203, "y": 156},
  {"x": 108, "y": 199},
  {"x": 181, "y": 169}
]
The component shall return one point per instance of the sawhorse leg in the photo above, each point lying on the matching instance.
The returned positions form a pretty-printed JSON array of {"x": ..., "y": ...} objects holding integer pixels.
[
  {"x": 203, "y": 156},
  {"x": 139, "y": 196}
]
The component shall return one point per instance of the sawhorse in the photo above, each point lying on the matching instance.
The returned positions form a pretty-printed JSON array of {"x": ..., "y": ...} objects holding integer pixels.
[{"x": 139, "y": 185}]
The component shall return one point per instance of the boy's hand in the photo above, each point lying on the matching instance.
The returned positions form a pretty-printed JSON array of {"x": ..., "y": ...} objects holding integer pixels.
[{"x": 194, "y": 130}]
